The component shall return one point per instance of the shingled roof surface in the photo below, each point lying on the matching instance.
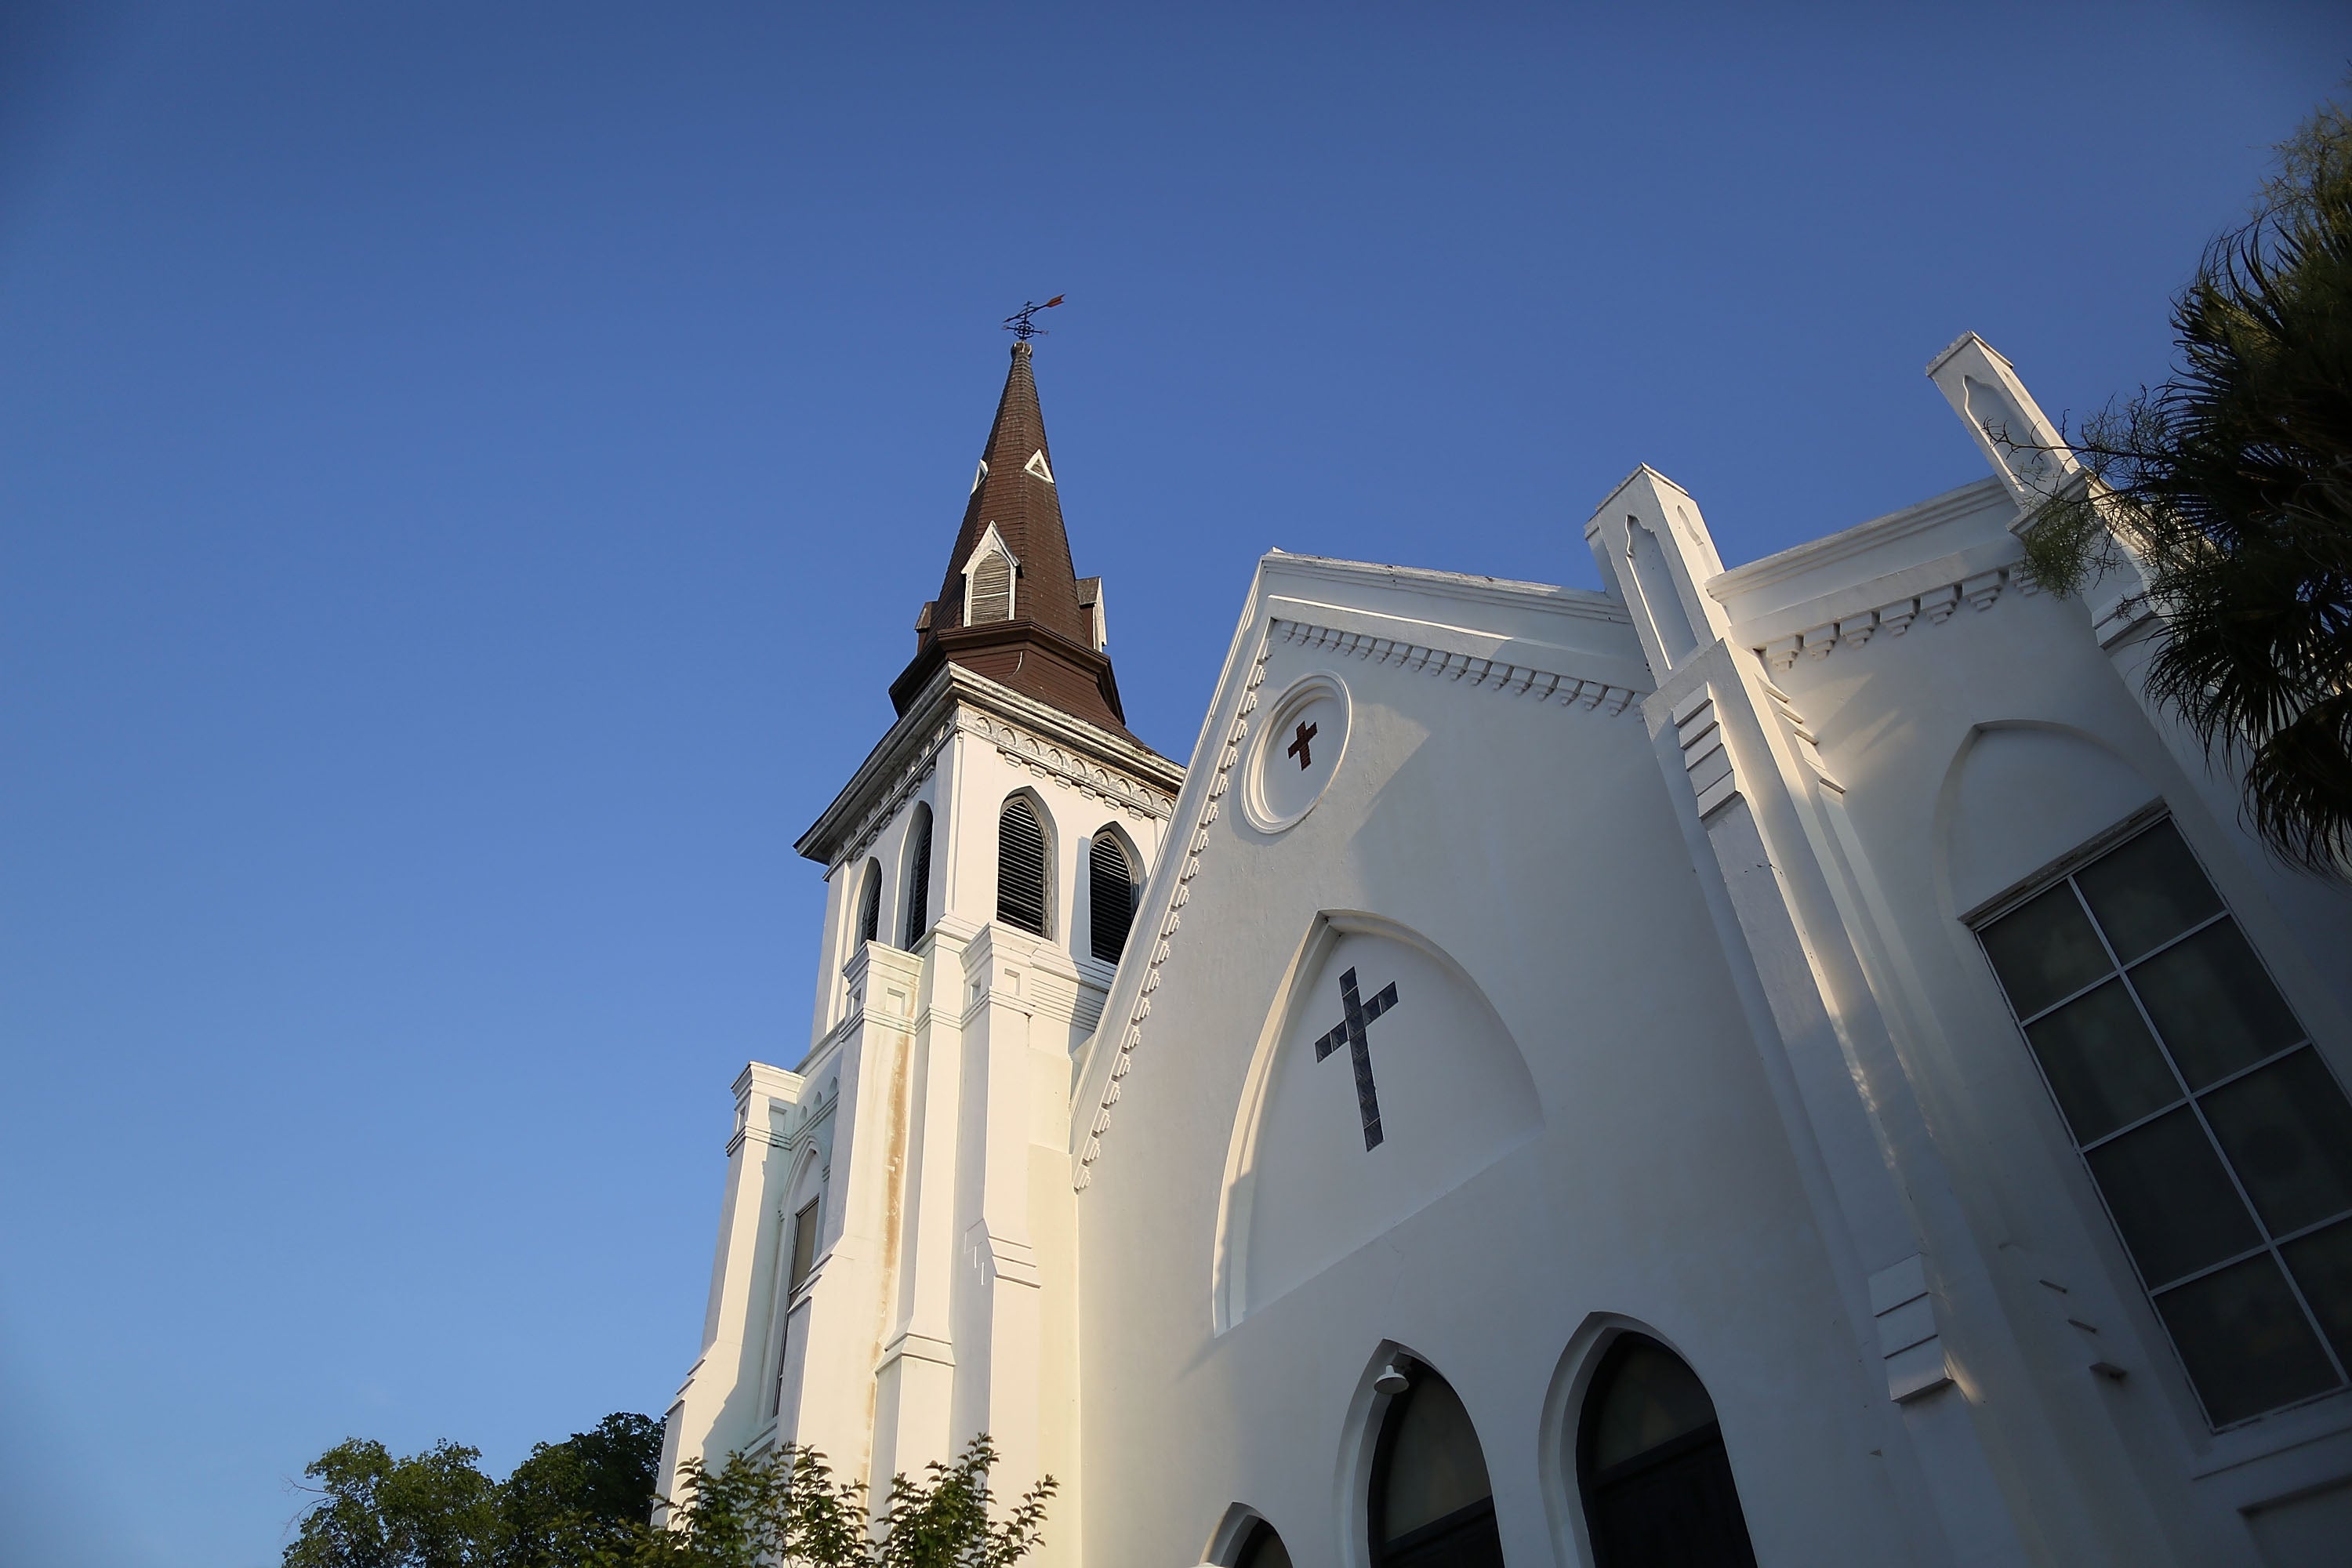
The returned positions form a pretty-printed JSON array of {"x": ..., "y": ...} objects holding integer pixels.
[{"x": 1046, "y": 650}]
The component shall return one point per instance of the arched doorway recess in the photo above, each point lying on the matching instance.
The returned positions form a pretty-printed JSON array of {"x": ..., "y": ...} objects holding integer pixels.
[
  {"x": 1431, "y": 1504},
  {"x": 1652, "y": 1469}
]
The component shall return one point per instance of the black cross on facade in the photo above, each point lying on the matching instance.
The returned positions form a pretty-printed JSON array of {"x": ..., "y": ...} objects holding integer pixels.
[
  {"x": 1298, "y": 748},
  {"x": 1351, "y": 1034}
]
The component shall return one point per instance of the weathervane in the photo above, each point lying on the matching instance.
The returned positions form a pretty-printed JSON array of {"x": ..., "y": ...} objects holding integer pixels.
[{"x": 1020, "y": 324}]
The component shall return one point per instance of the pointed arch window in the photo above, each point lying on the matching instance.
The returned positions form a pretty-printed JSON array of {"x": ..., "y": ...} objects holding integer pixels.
[
  {"x": 1110, "y": 892},
  {"x": 918, "y": 876},
  {"x": 869, "y": 905},
  {"x": 1651, "y": 1466},
  {"x": 1431, "y": 1504},
  {"x": 990, "y": 578},
  {"x": 800, "y": 1232},
  {"x": 1021, "y": 866}
]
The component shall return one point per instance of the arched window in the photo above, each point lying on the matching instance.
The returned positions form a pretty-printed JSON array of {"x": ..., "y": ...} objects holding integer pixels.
[
  {"x": 869, "y": 905},
  {"x": 1262, "y": 1548},
  {"x": 1021, "y": 866},
  {"x": 1650, "y": 1462},
  {"x": 1431, "y": 1505},
  {"x": 918, "y": 876},
  {"x": 1111, "y": 889}
]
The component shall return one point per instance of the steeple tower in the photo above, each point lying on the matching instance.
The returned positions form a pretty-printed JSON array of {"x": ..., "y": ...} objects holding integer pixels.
[
  {"x": 897, "y": 1265},
  {"x": 1012, "y": 608}
]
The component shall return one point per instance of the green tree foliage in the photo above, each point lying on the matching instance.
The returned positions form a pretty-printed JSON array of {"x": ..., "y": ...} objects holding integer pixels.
[
  {"x": 560, "y": 1507},
  {"x": 784, "y": 1508},
  {"x": 432, "y": 1509},
  {"x": 585, "y": 1502},
  {"x": 569, "y": 1499},
  {"x": 2232, "y": 484}
]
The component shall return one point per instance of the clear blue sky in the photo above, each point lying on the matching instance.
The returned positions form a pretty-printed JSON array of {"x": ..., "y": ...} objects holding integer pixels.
[{"x": 468, "y": 475}]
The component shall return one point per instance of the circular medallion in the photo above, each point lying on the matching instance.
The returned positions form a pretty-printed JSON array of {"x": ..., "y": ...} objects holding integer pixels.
[{"x": 1296, "y": 753}]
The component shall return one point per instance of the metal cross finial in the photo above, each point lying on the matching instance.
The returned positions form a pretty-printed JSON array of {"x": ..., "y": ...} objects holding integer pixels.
[{"x": 1020, "y": 324}]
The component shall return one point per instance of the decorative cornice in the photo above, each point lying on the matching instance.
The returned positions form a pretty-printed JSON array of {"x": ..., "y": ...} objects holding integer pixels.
[
  {"x": 1935, "y": 606},
  {"x": 1511, "y": 679},
  {"x": 906, "y": 756},
  {"x": 1582, "y": 604},
  {"x": 918, "y": 769},
  {"x": 1934, "y": 512},
  {"x": 1172, "y": 917},
  {"x": 1065, "y": 765}
]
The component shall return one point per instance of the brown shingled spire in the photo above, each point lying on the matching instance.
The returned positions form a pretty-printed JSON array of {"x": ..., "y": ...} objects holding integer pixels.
[{"x": 1046, "y": 649}]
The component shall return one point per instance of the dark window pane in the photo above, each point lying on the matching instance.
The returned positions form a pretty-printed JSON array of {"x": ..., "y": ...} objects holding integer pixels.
[
  {"x": 1434, "y": 1466},
  {"x": 2248, "y": 1346},
  {"x": 2101, "y": 1062},
  {"x": 2288, "y": 1133},
  {"x": 2213, "y": 1005},
  {"x": 2044, "y": 950},
  {"x": 2172, "y": 1198},
  {"x": 804, "y": 1245},
  {"x": 1265, "y": 1549},
  {"x": 869, "y": 916},
  {"x": 2147, "y": 892},
  {"x": 2323, "y": 1268},
  {"x": 1652, "y": 1398},
  {"x": 1111, "y": 890}
]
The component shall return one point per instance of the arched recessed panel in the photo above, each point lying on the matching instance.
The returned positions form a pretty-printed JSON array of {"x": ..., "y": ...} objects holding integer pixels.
[
  {"x": 2021, "y": 796},
  {"x": 1383, "y": 1080},
  {"x": 1654, "y": 581}
]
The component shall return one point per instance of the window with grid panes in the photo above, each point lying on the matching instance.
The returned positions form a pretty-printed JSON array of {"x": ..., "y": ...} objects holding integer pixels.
[{"x": 2219, "y": 1139}]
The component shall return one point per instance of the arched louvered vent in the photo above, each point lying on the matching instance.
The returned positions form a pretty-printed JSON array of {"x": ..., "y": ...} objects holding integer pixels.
[
  {"x": 918, "y": 877},
  {"x": 991, "y": 590},
  {"x": 869, "y": 910},
  {"x": 1110, "y": 887},
  {"x": 1021, "y": 866}
]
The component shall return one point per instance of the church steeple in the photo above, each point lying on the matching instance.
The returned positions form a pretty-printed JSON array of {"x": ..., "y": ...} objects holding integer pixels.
[{"x": 1011, "y": 606}]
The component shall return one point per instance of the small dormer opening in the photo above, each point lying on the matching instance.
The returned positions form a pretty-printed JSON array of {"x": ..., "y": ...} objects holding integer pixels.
[{"x": 990, "y": 578}]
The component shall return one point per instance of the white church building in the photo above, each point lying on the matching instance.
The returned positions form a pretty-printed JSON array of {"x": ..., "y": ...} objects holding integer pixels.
[{"x": 1797, "y": 1065}]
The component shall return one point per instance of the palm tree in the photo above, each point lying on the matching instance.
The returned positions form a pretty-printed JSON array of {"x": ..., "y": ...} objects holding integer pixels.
[{"x": 2231, "y": 484}]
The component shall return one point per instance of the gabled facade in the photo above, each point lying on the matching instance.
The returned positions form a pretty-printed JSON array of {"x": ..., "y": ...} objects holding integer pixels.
[{"x": 1793, "y": 1064}]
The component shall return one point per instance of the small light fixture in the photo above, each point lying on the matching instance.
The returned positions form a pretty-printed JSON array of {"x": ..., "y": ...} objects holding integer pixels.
[{"x": 1391, "y": 1381}]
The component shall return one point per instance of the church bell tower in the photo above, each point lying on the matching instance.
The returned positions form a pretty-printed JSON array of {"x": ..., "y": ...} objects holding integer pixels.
[{"x": 896, "y": 1268}]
